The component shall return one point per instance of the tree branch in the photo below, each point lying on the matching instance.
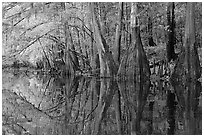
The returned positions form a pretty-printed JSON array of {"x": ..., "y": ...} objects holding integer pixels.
[{"x": 31, "y": 43}]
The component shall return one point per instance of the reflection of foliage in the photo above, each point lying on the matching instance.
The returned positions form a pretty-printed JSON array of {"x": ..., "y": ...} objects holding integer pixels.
[
  {"x": 22, "y": 111},
  {"x": 45, "y": 105}
]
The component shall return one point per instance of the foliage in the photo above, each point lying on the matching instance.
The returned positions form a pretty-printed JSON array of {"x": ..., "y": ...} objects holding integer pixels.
[
  {"x": 61, "y": 38},
  {"x": 31, "y": 30}
]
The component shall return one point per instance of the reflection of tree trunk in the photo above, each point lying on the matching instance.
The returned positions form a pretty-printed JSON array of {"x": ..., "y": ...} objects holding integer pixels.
[
  {"x": 107, "y": 91},
  {"x": 142, "y": 88},
  {"x": 171, "y": 112},
  {"x": 118, "y": 111},
  {"x": 150, "y": 125},
  {"x": 188, "y": 99},
  {"x": 94, "y": 102},
  {"x": 99, "y": 110},
  {"x": 134, "y": 95},
  {"x": 191, "y": 109},
  {"x": 71, "y": 87}
]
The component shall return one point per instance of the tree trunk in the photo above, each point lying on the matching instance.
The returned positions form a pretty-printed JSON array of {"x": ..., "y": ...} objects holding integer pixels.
[
  {"x": 134, "y": 64},
  {"x": 188, "y": 64},
  {"x": 73, "y": 55},
  {"x": 171, "y": 32},
  {"x": 107, "y": 64},
  {"x": 150, "y": 35},
  {"x": 117, "y": 47},
  {"x": 68, "y": 63},
  {"x": 94, "y": 59},
  {"x": 80, "y": 49},
  {"x": 70, "y": 58}
]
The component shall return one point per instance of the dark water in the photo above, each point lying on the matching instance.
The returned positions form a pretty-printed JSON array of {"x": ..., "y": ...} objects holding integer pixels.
[{"x": 41, "y": 104}]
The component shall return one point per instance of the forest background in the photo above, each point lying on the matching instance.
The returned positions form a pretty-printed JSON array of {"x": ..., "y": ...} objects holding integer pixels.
[
  {"x": 156, "y": 46},
  {"x": 93, "y": 38}
]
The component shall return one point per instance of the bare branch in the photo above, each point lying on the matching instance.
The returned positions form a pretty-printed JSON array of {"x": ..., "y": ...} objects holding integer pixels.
[
  {"x": 33, "y": 27},
  {"x": 45, "y": 53},
  {"x": 31, "y": 43}
]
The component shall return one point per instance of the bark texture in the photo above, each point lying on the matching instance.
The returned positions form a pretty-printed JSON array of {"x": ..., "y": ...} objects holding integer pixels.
[
  {"x": 69, "y": 65},
  {"x": 134, "y": 64},
  {"x": 117, "y": 47},
  {"x": 150, "y": 27},
  {"x": 107, "y": 63},
  {"x": 188, "y": 66},
  {"x": 171, "y": 32}
]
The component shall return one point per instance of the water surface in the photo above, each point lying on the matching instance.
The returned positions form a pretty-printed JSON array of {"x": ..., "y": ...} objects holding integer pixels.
[{"x": 38, "y": 104}]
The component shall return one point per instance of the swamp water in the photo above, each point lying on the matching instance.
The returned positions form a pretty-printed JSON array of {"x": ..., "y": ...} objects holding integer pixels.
[{"x": 38, "y": 104}]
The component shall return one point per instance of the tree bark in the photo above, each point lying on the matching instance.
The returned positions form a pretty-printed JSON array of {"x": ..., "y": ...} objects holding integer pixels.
[
  {"x": 107, "y": 64},
  {"x": 69, "y": 66},
  {"x": 134, "y": 64},
  {"x": 117, "y": 47},
  {"x": 188, "y": 65},
  {"x": 70, "y": 58},
  {"x": 150, "y": 35},
  {"x": 94, "y": 59},
  {"x": 67, "y": 59},
  {"x": 171, "y": 32}
]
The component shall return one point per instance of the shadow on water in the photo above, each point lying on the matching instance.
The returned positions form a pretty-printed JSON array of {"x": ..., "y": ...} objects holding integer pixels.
[{"x": 41, "y": 104}]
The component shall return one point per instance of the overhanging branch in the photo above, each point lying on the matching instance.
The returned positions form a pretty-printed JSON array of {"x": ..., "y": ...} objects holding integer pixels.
[{"x": 31, "y": 43}]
